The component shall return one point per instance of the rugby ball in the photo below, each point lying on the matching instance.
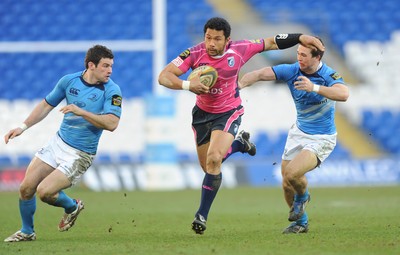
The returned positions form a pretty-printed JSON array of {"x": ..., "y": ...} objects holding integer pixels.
[{"x": 208, "y": 75}]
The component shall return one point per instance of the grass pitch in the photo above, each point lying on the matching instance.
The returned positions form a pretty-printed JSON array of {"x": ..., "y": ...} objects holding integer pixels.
[{"x": 357, "y": 220}]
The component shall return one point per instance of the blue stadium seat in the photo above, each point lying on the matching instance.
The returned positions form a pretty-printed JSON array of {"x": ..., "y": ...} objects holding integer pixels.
[
  {"x": 5, "y": 161},
  {"x": 23, "y": 159},
  {"x": 279, "y": 143},
  {"x": 126, "y": 20},
  {"x": 128, "y": 158},
  {"x": 103, "y": 158},
  {"x": 263, "y": 143},
  {"x": 383, "y": 127},
  {"x": 341, "y": 20}
]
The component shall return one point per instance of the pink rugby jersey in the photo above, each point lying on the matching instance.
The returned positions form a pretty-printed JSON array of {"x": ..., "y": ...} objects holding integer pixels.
[{"x": 224, "y": 95}]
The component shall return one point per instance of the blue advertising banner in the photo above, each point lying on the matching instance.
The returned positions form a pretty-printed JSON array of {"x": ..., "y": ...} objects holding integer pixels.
[
  {"x": 333, "y": 173},
  {"x": 188, "y": 175}
]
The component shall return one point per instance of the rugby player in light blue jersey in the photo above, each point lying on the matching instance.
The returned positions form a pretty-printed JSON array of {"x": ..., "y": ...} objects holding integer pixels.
[
  {"x": 93, "y": 104},
  {"x": 315, "y": 88}
]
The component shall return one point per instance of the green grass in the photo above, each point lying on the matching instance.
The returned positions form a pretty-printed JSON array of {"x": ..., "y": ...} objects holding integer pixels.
[{"x": 359, "y": 220}]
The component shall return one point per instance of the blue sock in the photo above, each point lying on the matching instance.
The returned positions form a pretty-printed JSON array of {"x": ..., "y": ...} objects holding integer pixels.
[
  {"x": 303, "y": 220},
  {"x": 27, "y": 209},
  {"x": 211, "y": 184},
  {"x": 65, "y": 202},
  {"x": 301, "y": 198},
  {"x": 235, "y": 147}
]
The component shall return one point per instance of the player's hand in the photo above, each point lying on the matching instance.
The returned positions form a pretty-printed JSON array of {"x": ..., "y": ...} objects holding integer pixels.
[
  {"x": 303, "y": 83},
  {"x": 240, "y": 86},
  {"x": 311, "y": 42},
  {"x": 197, "y": 87},
  {"x": 13, "y": 133},
  {"x": 72, "y": 108}
]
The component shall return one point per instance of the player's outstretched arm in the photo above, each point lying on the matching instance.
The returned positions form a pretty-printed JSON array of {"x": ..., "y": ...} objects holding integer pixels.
[
  {"x": 40, "y": 111},
  {"x": 263, "y": 74},
  {"x": 284, "y": 41}
]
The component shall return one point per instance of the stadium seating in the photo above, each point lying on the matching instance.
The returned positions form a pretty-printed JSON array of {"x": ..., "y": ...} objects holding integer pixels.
[
  {"x": 78, "y": 21},
  {"x": 376, "y": 100},
  {"x": 340, "y": 20},
  {"x": 28, "y": 76},
  {"x": 383, "y": 126}
]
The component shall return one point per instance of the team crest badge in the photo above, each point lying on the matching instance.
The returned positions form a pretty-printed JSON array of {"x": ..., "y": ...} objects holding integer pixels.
[
  {"x": 335, "y": 76},
  {"x": 116, "y": 100},
  {"x": 231, "y": 61},
  {"x": 185, "y": 54}
]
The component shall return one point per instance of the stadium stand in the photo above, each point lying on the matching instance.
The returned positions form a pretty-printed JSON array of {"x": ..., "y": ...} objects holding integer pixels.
[
  {"x": 63, "y": 21},
  {"x": 376, "y": 99},
  {"x": 29, "y": 76},
  {"x": 341, "y": 20}
]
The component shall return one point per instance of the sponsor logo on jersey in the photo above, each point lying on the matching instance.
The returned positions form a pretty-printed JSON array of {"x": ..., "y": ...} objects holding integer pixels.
[
  {"x": 336, "y": 76},
  {"x": 79, "y": 104},
  {"x": 216, "y": 91},
  {"x": 74, "y": 91},
  {"x": 317, "y": 103},
  {"x": 116, "y": 100},
  {"x": 177, "y": 61},
  {"x": 257, "y": 41},
  {"x": 231, "y": 61},
  {"x": 93, "y": 97}
]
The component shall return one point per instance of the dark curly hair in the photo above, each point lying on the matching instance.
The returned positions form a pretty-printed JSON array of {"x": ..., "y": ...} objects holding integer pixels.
[{"x": 219, "y": 24}]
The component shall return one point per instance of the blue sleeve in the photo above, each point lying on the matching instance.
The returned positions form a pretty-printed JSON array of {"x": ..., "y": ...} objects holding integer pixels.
[
  {"x": 285, "y": 72},
  {"x": 334, "y": 78},
  {"x": 58, "y": 93},
  {"x": 113, "y": 102}
]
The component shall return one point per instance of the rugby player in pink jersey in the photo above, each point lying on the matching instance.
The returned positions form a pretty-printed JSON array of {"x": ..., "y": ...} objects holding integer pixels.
[{"x": 218, "y": 110}]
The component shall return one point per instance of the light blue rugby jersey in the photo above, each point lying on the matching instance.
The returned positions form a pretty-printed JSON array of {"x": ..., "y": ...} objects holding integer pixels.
[
  {"x": 100, "y": 99},
  {"x": 315, "y": 113}
]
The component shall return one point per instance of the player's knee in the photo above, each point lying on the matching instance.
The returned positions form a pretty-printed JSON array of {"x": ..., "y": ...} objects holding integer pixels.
[
  {"x": 286, "y": 185},
  {"x": 289, "y": 174},
  {"x": 214, "y": 158},
  {"x": 26, "y": 192},
  {"x": 44, "y": 194},
  {"x": 214, "y": 161}
]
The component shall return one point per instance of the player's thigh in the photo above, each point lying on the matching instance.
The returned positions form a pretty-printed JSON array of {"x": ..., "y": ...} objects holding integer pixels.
[
  {"x": 36, "y": 172},
  {"x": 302, "y": 163},
  {"x": 53, "y": 183},
  {"x": 284, "y": 164},
  {"x": 220, "y": 143}
]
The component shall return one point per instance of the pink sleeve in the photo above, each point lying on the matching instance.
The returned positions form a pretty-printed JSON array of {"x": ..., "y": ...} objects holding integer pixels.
[
  {"x": 182, "y": 63},
  {"x": 252, "y": 47},
  {"x": 186, "y": 59}
]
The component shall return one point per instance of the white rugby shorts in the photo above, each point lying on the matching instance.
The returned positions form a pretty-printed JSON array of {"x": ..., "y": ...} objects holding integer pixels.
[
  {"x": 70, "y": 161},
  {"x": 297, "y": 140}
]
